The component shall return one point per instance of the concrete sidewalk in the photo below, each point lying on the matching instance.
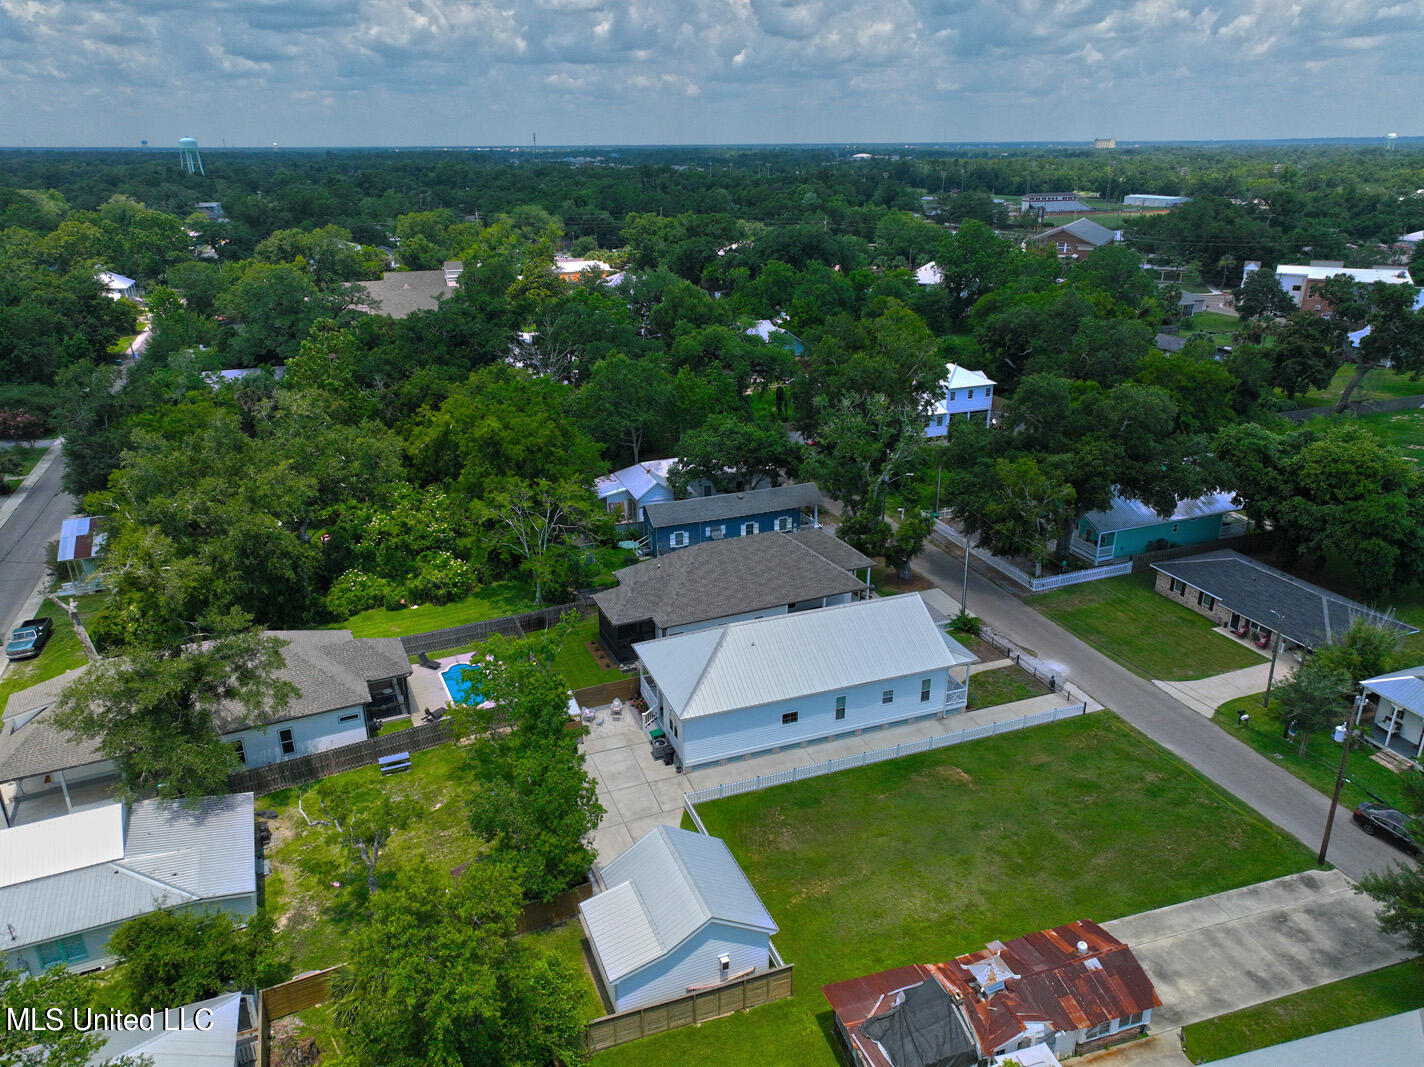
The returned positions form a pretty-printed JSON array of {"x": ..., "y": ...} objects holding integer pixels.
[
  {"x": 1205, "y": 695},
  {"x": 1221, "y": 953}
]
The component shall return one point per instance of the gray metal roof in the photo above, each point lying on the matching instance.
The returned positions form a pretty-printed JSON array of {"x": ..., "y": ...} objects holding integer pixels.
[
  {"x": 665, "y": 888},
  {"x": 1126, "y": 514},
  {"x": 1405, "y": 688},
  {"x": 745, "y": 664},
  {"x": 330, "y": 669},
  {"x": 175, "y": 852},
  {"x": 732, "y": 505},
  {"x": 1307, "y": 614},
  {"x": 731, "y": 576},
  {"x": 215, "y": 1046}
]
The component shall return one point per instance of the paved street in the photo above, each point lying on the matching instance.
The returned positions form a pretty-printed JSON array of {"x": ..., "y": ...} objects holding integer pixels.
[
  {"x": 29, "y": 519},
  {"x": 1283, "y": 799}
]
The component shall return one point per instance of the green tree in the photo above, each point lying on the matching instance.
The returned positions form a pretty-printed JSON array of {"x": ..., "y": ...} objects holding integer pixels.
[
  {"x": 1312, "y": 699},
  {"x": 364, "y": 822},
  {"x": 55, "y": 989},
  {"x": 436, "y": 978},
  {"x": 864, "y": 449},
  {"x": 171, "y": 958},
  {"x": 625, "y": 405},
  {"x": 528, "y": 520},
  {"x": 155, "y": 713},
  {"x": 906, "y": 542},
  {"x": 734, "y": 453},
  {"x": 1366, "y": 650},
  {"x": 1396, "y": 336},
  {"x": 1260, "y": 294}
]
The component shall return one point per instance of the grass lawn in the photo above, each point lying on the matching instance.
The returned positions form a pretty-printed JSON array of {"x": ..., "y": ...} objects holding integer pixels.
[
  {"x": 1321, "y": 762},
  {"x": 1003, "y": 685},
  {"x": 887, "y": 583},
  {"x": 1379, "y": 383},
  {"x": 1213, "y": 322},
  {"x": 566, "y": 940},
  {"x": 1402, "y": 429},
  {"x": 29, "y": 457},
  {"x": 491, "y": 601},
  {"x": 920, "y": 859},
  {"x": 1365, "y": 997},
  {"x": 61, "y": 653},
  {"x": 1145, "y": 632},
  {"x": 576, "y": 662},
  {"x": 121, "y": 346},
  {"x": 317, "y": 895}
]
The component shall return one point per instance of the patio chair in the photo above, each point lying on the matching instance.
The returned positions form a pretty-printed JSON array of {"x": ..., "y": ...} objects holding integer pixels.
[
  {"x": 426, "y": 661},
  {"x": 616, "y": 709}
]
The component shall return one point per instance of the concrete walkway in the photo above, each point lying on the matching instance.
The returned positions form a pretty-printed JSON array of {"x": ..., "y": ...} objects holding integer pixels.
[
  {"x": 1228, "y": 951},
  {"x": 638, "y": 792},
  {"x": 1279, "y": 796},
  {"x": 1205, "y": 695}
]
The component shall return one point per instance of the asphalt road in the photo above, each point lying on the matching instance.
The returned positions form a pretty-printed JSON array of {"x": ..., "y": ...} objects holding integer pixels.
[
  {"x": 33, "y": 523},
  {"x": 1282, "y": 798}
]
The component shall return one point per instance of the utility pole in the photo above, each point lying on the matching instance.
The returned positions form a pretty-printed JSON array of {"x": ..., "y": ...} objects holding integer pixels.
[
  {"x": 1340, "y": 777},
  {"x": 1275, "y": 652}
]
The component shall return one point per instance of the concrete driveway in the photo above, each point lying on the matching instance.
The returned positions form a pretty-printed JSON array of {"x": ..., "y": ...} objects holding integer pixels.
[{"x": 1225, "y": 952}]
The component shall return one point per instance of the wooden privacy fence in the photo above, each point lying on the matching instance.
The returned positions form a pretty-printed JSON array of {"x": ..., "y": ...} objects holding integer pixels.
[
  {"x": 288, "y": 998},
  {"x": 624, "y": 689},
  {"x": 542, "y": 914},
  {"x": 317, "y": 765},
  {"x": 729, "y": 997},
  {"x": 509, "y": 625}
]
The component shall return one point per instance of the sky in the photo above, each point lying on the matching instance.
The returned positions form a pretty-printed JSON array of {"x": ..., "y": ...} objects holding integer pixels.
[{"x": 474, "y": 72}]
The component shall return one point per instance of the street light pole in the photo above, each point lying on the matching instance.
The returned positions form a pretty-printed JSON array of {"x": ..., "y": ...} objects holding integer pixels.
[
  {"x": 964, "y": 589},
  {"x": 1340, "y": 777},
  {"x": 1275, "y": 651}
]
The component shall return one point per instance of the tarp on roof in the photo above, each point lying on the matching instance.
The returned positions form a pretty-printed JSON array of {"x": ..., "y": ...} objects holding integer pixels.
[{"x": 924, "y": 1028}]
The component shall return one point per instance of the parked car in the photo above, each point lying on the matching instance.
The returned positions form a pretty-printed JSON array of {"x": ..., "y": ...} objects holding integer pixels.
[
  {"x": 27, "y": 639},
  {"x": 1392, "y": 825}
]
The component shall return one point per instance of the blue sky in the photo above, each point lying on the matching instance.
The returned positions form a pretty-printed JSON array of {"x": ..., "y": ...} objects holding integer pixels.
[{"x": 366, "y": 72}]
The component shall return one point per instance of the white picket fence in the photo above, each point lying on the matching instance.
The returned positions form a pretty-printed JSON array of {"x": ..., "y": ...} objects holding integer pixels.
[
  {"x": 1033, "y": 585},
  {"x": 861, "y": 759}
]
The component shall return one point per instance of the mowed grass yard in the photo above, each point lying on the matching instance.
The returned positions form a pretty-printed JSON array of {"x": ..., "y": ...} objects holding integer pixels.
[
  {"x": 1402, "y": 429},
  {"x": 1144, "y": 631},
  {"x": 920, "y": 859},
  {"x": 62, "y": 652},
  {"x": 1389, "y": 991},
  {"x": 1380, "y": 383}
]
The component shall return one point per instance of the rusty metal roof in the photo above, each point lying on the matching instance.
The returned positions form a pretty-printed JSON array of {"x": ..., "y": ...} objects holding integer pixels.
[{"x": 1055, "y": 984}]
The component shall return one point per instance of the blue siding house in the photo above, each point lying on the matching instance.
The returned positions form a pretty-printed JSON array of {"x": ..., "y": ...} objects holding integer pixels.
[
  {"x": 676, "y": 915},
  {"x": 679, "y": 523},
  {"x": 964, "y": 394},
  {"x": 623, "y": 493},
  {"x": 1130, "y": 527},
  {"x": 788, "y": 680}
]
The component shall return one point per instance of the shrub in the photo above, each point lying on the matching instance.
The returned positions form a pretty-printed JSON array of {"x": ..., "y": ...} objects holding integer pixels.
[
  {"x": 967, "y": 624},
  {"x": 356, "y": 591},
  {"x": 440, "y": 578}
]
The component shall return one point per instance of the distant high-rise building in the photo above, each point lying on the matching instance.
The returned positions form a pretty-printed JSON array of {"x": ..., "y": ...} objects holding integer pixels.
[
  {"x": 1105, "y": 142},
  {"x": 188, "y": 157}
]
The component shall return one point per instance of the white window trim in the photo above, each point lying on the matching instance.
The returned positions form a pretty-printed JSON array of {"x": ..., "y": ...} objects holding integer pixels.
[
  {"x": 677, "y": 539},
  {"x": 755, "y": 528}
]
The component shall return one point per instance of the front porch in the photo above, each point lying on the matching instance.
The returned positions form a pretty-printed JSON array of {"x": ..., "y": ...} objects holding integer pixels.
[{"x": 64, "y": 797}]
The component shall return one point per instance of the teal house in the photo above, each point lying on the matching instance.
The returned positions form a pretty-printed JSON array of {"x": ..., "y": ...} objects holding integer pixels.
[{"x": 1130, "y": 527}]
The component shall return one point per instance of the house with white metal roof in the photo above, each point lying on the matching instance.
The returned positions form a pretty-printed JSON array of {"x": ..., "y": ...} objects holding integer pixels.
[
  {"x": 204, "y": 1034},
  {"x": 789, "y": 680},
  {"x": 1301, "y": 280},
  {"x": 1398, "y": 700},
  {"x": 676, "y": 915},
  {"x": 1129, "y": 527},
  {"x": 66, "y": 884},
  {"x": 624, "y": 492},
  {"x": 963, "y": 393}
]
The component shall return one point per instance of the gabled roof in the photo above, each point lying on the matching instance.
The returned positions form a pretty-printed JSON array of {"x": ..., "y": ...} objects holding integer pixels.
[
  {"x": 1405, "y": 688},
  {"x": 214, "y": 1045},
  {"x": 784, "y": 657},
  {"x": 929, "y": 274},
  {"x": 1084, "y": 229},
  {"x": 958, "y": 377},
  {"x": 172, "y": 852},
  {"x": 404, "y": 292},
  {"x": 1308, "y": 614},
  {"x": 1128, "y": 514},
  {"x": 732, "y": 505},
  {"x": 636, "y": 480},
  {"x": 732, "y": 576},
  {"x": 664, "y": 889}
]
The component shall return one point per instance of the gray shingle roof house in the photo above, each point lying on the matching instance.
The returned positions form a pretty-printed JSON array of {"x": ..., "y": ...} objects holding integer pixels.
[
  {"x": 338, "y": 678},
  {"x": 725, "y": 580},
  {"x": 202, "y": 1035},
  {"x": 67, "y": 883},
  {"x": 787, "y": 680},
  {"x": 674, "y": 524},
  {"x": 677, "y": 913},
  {"x": 1243, "y": 593},
  {"x": 404, "y": 292}
]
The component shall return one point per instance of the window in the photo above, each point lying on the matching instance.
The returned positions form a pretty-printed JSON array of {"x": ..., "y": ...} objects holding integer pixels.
[
  {"x": 749, "y": 528},
  {"x": 1097, "y": 1031},
  {"x": 1177, "y": 586},
  {"x": 1206, "y": 601},
  {"x": 924, "y": 690},
  {"x": 790, "y": 717},
  {"x": 716, "y": 533},
  {"x": 840, "y": 708},
  {"x": 1174, "y": 527},
  {"x": 969, "y": 395},
  {"x": 988, "y": 391},
  {"x": 939, "y": 420},
  {"x": 65, "y": 950},
  {"x": 1135, "y": 1019},
  {"x": 349, "y": 718},
  {"x": 783, "y": 523},
  {"x": 951, "y": 394},
  {"x": 672, "y": 721},
  {"x": 237, "y": 747},
  {"x": 289, "y": 744},
  {"x": 887, "y": 697},
  {"x": 678, "y": 539}
]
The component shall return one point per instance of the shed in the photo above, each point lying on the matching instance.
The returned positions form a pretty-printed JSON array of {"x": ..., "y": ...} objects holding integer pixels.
[{"x": 677, "y": 915}]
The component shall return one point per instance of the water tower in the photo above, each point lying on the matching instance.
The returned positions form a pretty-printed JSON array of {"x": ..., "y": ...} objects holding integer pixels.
[
  {"x": 1389, "y": 140},
  {"x": 188, "y": 157}
]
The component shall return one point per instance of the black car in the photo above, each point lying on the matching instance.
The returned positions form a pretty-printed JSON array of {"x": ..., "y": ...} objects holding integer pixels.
[{"x": 1387, "y": 823}]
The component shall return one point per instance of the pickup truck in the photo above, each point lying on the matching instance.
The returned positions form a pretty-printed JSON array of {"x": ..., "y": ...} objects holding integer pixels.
[{"x": 28, "y": 638}]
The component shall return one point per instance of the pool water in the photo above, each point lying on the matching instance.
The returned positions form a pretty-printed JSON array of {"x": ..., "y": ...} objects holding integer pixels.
[{"x": 462, "y": 683}]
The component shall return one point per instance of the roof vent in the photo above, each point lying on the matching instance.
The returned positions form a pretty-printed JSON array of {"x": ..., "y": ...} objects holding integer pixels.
[{"x": 1082, "y": 948}]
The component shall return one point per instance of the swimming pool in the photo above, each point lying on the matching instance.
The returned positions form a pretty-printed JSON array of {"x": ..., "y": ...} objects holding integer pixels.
[{"x": 462, "y": 683}]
